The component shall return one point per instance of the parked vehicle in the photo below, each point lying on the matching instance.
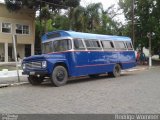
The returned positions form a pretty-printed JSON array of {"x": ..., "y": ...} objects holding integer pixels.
[{"x": 71, "y": 54}]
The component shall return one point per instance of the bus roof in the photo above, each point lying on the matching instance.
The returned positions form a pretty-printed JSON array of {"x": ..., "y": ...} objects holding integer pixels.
[{"x": 73, "y": 34}]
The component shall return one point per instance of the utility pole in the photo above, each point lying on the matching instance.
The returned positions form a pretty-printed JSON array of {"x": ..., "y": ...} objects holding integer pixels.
[
  {"x": 149, "y": 35},
  {"x": 133, "y": 34},
  {"x": 14, "y": 37}
]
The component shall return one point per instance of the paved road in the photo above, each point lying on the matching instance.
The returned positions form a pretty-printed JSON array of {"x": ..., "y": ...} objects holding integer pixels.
[{"x": 135, "y": 92}]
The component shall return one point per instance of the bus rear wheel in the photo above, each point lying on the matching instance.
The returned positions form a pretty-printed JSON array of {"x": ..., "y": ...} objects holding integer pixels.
[
  {"x": 116, "y": 71},
  {"x": 34, "y": 80},
  {"x": 59, "y": 76}
]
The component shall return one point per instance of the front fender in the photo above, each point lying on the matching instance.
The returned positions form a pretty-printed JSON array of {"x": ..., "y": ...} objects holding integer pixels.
[{"x": 51, "y": 64}]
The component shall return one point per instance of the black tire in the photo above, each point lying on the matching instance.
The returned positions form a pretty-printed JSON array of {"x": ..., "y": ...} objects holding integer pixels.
[
  {"x": 59, "y": 76},
  {"x": 34, "y": 80},
  {"x": 116, "y": 71},
  {"x": 94, "y": 76}
]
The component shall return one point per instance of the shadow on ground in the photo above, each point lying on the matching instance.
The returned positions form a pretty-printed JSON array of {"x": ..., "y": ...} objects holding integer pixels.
[{"x": 84, "y": 79}]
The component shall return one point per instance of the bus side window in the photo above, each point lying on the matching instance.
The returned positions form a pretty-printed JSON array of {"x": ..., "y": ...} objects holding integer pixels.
[
  {"x": 61, "y": 45},
  {"x": 93, "y": 45},
  {"x": 107, "y": 45},
  {"x": 129, "y": 46},
  {"x": 78, "y": 44},
  {"x": 120, "y": 45}
]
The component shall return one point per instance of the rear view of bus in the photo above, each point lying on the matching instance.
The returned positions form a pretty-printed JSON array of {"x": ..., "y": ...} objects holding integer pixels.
[{"x": 72, "y": 54}]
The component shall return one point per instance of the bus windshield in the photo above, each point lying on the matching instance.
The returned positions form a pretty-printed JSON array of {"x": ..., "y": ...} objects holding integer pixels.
[{"x": 56, "y": 46}]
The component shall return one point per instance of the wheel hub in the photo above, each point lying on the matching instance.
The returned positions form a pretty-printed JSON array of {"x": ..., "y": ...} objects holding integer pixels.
[{"x": 60, "y": 75}]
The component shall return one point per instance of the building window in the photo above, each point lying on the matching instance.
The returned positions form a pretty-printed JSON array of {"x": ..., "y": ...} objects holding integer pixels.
[
  {"x": 22, "y": 29},
  {"x": 6, "y": 27}
]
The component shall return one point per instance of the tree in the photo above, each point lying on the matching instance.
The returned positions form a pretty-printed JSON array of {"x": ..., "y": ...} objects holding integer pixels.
[
  {"x": 92, "y": 18},
  {"x": 60, "y": 22},
  {"x": 14, "y": 5},
  {"x": 35, "y": 4},
  {"x": 94, "y": 12},
  {"x": 45, "y": 16},
  {"x": 48, "y": 9},
  {"x": 78, "y": 18},
  {"x": 147, "y": 17}
]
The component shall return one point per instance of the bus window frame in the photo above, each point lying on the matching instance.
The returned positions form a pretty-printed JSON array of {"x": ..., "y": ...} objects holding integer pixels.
[
  {"x": 60, "y": 40},
  {"x": 73, "y": 39},
  {"x": 130, "y": 44},
  {"x": 55, "y": 39},
  {"x": 108, "y": 49},
  {"x": 93, "y": 48},
  {"x": 123, "y": 49},
  {"x": 51, "y": 44}
]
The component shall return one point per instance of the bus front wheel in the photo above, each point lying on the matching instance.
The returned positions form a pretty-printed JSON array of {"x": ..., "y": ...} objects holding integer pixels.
[
  {"x": 34, "y": 80},
  {"x": 59, "y": 76},
  {"x": 116, "y": 71}
]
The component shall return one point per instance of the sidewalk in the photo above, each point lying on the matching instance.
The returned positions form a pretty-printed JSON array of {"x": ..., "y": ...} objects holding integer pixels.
[
  {"x": 12, "y": 81},
  {"x": 8, "y": 78},
  {"x": 5, "y": 73},
  {"x": 138, "y": 68}
]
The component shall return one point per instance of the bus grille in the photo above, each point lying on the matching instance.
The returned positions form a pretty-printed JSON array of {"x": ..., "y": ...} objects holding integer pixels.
[{"x": 34, "y": 65}]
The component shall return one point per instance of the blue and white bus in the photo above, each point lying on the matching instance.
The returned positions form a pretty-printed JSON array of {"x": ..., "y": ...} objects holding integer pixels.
[{"x": 72, "y": 54}]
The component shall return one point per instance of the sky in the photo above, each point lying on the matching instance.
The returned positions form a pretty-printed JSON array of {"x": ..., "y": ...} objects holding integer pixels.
[{"x": 105, "y": 3}]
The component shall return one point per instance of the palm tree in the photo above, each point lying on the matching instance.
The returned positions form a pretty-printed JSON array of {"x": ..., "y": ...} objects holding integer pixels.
[
  {"x": 79, "y": 19},
  {"x": 85, "y": 19},
  {"x": 94, "y": 11}
]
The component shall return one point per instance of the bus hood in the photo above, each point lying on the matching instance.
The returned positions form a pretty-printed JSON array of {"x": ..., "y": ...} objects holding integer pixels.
[
  {"x": 43, "y": 57},
  {"x": 34, "y": 58}
]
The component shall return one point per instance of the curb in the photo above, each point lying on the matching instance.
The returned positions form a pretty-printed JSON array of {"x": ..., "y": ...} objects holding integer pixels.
[
  {"x": 137, "y": 69},
  {"x": 13, "y": 84}
]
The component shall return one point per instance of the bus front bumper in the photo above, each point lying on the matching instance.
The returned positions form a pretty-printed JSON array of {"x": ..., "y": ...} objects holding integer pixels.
[{"x": 41, "y": 73}]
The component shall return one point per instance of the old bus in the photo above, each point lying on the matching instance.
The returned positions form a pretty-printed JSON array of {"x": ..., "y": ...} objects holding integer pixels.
[{"x": 71, "y": 54}]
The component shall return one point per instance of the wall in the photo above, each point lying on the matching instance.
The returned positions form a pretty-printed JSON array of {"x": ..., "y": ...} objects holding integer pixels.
[
  {"x": 25, "y": 17},
  {"x": 1, "y": 48}
]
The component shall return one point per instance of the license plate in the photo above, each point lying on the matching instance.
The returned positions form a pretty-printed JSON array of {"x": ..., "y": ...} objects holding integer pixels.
[{"x": 32, "y": 73}]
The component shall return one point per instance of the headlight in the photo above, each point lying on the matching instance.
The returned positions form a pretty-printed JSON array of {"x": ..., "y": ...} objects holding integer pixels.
[
  {"x": 44, "y": 64},
  {"x": 23, "y": 66}
]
